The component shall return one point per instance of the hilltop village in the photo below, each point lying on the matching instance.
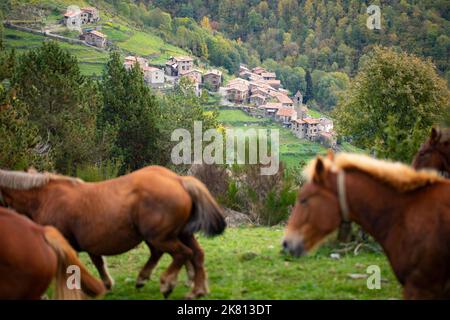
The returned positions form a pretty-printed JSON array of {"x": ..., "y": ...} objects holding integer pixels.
[{"x": 256, "y": 91}]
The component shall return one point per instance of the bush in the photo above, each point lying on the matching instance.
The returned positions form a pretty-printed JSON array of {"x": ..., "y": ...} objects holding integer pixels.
[{"x": 95, "y": 173}]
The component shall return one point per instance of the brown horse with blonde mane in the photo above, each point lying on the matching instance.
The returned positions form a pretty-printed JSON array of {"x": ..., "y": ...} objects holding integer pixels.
[
  {"x": 435, "y": 152},
  {"x": 31, "y": 256},
  {"x": 152, "y": 204},
  {"x": 406, "y": 211}
]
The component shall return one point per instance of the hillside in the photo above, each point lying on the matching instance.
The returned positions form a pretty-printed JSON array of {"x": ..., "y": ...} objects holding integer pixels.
[{"x": 128, "y": 37}]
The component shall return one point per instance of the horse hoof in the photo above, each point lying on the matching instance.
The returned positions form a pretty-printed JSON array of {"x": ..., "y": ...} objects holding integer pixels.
[
  {"x": 167, "y": 294},
  {"x": 195, "y": 295},
  {"x": 166, "y": 289},
  {"x": 139, "y": 285}
]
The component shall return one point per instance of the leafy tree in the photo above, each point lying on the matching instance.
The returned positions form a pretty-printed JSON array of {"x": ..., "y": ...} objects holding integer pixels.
[{"x": 392, "y": 103}]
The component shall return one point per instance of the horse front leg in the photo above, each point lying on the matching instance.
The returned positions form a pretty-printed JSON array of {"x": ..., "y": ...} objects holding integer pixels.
[
  {"x": 147, "y": 270},
  {"x": 100, "y": 264}
]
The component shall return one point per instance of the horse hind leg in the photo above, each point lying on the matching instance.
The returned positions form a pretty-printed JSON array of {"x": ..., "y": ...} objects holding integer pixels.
[
  {"x": 180, "y": 254},
  {"x": 190, "y": 271},
  {"x": 200, "y": 279},
  {"x": 100, "y": 264},
  {"x": 147, "y": 270}
]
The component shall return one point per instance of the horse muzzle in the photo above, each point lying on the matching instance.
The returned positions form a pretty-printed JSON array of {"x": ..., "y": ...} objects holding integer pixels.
[{"x": 295, "y": 248}]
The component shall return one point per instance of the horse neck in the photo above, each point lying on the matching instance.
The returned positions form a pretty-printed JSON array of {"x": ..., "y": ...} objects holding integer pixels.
[
  {"x": 26, "y": 202},
  {"x": 373, "y": 205}
]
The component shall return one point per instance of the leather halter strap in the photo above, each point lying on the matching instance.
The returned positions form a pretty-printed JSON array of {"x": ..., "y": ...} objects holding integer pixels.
[
  {"x": 343, "y": 204},
  {"x": 345, "y": 228}
]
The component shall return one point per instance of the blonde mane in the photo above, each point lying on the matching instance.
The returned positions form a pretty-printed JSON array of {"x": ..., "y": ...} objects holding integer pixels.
[
  {"x": 24, "y": 181},
  {"x": 398, "y": 175}
]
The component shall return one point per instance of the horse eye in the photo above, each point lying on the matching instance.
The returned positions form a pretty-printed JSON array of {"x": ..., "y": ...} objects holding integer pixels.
[{"x": 303, "y": 201}]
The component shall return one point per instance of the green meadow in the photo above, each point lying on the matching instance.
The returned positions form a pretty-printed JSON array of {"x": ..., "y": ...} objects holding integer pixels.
[{"x": 247, "y": 263}]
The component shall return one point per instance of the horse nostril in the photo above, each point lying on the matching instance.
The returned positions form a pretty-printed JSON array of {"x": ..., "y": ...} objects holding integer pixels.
[{"x": 285, "y": 244}]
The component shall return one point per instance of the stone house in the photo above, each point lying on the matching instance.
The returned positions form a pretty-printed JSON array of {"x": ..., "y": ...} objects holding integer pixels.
[
  {"x": 153, "y": 76},
  {"x": 95, "y": 38},
  {"x": 258, "y": 70},
  {"x": 284, "y": 100},
  {"x": 285, "y": 116},
  {"x": 237, "y": 93},
  {"x": 257, "y": 99},
  {"x": 131, "y": 60},
  {"x": 270, "y": 108},
  {"x": 194, "y": 74},
  {"x": 213, "y": 78},
  {"x": 89, "y": 15},
  {"x": 269, "y": 76},
  {"x": 176, "y": 65}
]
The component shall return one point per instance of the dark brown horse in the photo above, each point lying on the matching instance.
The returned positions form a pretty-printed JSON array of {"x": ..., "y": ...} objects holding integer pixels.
[
  {"x": 31, "y": 256},
  {"x": 406, "y": 211},
  {"x": 435, "y": 152},
  {"x": 107, "y": 218}
]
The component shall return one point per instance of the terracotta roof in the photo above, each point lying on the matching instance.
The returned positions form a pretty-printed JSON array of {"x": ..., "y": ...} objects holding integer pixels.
[
  {"x": 183, "y": 58},
  {"x": 311, "y": 120},
  {"x": 258, "y": 69},
  {"x": 214, "y": 72},
  {"x": 89, "y": 9},
  {"x": 283, "y": 98},
  {"x": 286, "y": 112},
  {"x": 299, "y": 121},
  {"x": 257, "y": 96},
  {"x": 185, "y": 72},
  {"x": 133, "y": 59},
  {"x": 149, "y": 68},
  {"x": 269, "y": 75},
  {"x": 271, "y": 105},
  {"x": 273, "y": 82},
  {"x": 239, "y": 87},
  {"x": 238, "y": 81},
  {"x": 97, "y": 34},
  {"x": 70, "y": 14}
]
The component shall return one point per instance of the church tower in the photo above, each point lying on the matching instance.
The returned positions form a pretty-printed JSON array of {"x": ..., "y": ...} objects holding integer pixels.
[
  {"x": 298, "y": 105},
  {"x": 298, "y": 99}
]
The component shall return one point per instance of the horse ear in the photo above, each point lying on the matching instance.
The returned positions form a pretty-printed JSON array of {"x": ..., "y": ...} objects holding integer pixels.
[
  {"x": 319, "y": 171},
  {"x": 434, "y": 136},
  {"x": 31, "y": 170},
  {"x": 330, "y": 154}
]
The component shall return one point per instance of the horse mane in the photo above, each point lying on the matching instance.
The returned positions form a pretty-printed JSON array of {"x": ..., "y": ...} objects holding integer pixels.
[
  {"x": 24, "y": 181},
  {"x": 398, "y": 175},
  {"x": 443, "y": 135}
]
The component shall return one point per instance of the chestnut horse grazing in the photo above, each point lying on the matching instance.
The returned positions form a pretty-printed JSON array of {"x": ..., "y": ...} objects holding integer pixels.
[
  {"x": 32, "y": 255},
  {"x": 406, "y": 211},
  {"x": 152, "y": 204},
  {"x": 435, "y": 152}
]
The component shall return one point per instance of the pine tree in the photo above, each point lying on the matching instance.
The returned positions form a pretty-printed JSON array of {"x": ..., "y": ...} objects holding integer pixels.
[
  {"x": 62, "y": 103},
  {"x": 309, "y": 95},
  {"x": 130, "y": 107}
]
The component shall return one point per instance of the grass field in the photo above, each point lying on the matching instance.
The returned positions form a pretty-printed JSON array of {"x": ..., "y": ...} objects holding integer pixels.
[
  {"x": 292, "y": 149},
  {"x": 231, "y": 116},
  {"x": 90, "y": 60},
  {"x": 246, "y": 263}
]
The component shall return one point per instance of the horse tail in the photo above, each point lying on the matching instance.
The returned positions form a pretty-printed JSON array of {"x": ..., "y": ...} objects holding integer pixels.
[
  {"x": 66, "y": 257},
  {"x": 206, "y": 214}
]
